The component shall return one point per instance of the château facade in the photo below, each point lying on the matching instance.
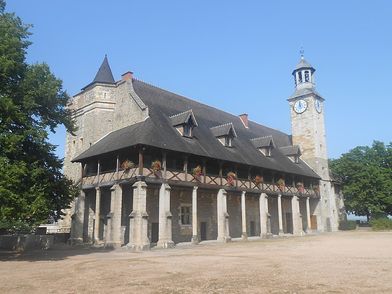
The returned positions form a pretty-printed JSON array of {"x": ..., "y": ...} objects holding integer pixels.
[{"x": 156, "y": 168}]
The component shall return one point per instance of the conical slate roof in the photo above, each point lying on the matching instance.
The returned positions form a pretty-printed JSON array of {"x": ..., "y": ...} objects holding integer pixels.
[
  {"x": 104, "y": 74},
  {"x": 303, "y": 64}
]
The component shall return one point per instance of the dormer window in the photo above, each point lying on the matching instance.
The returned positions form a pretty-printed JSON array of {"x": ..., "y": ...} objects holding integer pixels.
[
  {"x": 225, "y": 134},
  {"x": 187, "y": 130},
  {"x": 266, "y": 151},
  {"x": 264, "y": 145},
  {"x": 292, "y": 152},
  {"x": 184, "y": 122}
]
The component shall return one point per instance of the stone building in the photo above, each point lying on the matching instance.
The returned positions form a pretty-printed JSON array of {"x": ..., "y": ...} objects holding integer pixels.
[{"x": 156, "y": 168}]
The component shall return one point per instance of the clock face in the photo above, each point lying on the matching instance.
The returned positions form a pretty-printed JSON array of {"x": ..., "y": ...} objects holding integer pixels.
[
  {"x": 300, "y": 106},
  {"x": 317, "y": 105}
]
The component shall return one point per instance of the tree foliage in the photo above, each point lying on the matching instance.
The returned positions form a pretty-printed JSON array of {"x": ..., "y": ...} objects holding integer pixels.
[
  {"x": 366, "y": 175},
  {"x": 32, "y": 103}
]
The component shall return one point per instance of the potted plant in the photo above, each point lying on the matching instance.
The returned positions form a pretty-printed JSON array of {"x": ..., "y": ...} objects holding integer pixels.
[
  {"x": 197, "y": 172},
  {"x": 127, "y": 165},
  {"x": 231, "y": 177},
  {"x": 300, "y": 187},
  {"x": 258, "y": 179},
  {"x": 156, "y": 167},
  {"x": 281, "y": 184},
  {"x": 316, "y": 189}
]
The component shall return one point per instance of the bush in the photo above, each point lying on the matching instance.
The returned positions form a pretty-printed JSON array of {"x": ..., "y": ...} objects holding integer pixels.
[
  {"x": 381, "y": 224},
  {"x": 347, "y": 225},
  {"x": 15, "y": 227}
]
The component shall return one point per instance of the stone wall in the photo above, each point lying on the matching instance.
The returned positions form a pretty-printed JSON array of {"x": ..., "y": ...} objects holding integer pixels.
[
  {"x": 126, "y": 209},
  {"x": 273, "y": 211},
  {"x": 152, "y": 207},
  {"x": 26, "y": 242},
  {"x": 234, "y": 211},
  {"x": 252, "y": 214},
  {"x": 178, "y": 197},
  {"x": 207, "y": 212}
]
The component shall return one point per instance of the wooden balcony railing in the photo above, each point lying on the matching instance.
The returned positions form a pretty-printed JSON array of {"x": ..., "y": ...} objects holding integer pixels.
[{"x": 181, "y": 176}]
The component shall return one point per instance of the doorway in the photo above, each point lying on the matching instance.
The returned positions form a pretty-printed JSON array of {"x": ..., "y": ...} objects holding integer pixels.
[
  {"x": 154, "y": 232},
  {"x": 203, "y": 231},
  {"x": 252, "y": 231}
]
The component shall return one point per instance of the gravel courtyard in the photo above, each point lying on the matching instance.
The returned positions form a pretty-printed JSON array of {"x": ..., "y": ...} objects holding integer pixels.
[{"x": 343, "y": 262}]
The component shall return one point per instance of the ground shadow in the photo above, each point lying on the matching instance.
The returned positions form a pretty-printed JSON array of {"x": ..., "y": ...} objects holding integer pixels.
[{"x": 58, "y": 252}]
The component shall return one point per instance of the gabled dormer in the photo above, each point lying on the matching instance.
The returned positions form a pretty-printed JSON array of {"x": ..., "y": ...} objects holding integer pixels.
[
  {"x": 292, "y": 152},
  {"x": 264, "y": 145},
  {"x": 184, "y": 122},
  {"x": 225, "y": 134}
]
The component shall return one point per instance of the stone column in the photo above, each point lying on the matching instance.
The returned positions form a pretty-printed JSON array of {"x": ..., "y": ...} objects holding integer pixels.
[
  {"x": 195, "y": 234},
  {"x": 297, "y": 223},
  {"x": 97, "y": 214},
  {"x": 280, "y": 220},
  {"x": 308, "y": 229},
  {"x": 138, "y": 222},
  {"x": 269, "y": 234},
  {"x": 165, "y": 217},
  {"x": 243, "y": 216},
  {"x": 222, "y": 216},
  {"x": 77, "y": 225},
  {"x": 113, "y": 238},
  {"x": 263, "y": 211}
]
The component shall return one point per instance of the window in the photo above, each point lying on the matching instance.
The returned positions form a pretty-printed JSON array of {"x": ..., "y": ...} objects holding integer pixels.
[
  {"x": 266, "y": 151},
  {"x": 300, "y": 77},
  {"x": 307, "y": 76},
  {"x": 228, "y": 141},
  {"x": 187, "y": 130},
  {"x": 185, "y": 215}
]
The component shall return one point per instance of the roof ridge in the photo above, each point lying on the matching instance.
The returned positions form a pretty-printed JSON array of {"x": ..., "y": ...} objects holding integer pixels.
[
  {"x": 174, "y": 115},
  {"x": 263, "y": 137},
  {"x": 222, "y": 125}
]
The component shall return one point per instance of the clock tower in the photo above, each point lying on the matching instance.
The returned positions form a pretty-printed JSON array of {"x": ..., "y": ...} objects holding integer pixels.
[{"x": 308, "y": 131}]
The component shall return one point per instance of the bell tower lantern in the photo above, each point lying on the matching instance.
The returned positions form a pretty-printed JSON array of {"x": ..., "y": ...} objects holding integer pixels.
[{"x": 303, "y": 74}]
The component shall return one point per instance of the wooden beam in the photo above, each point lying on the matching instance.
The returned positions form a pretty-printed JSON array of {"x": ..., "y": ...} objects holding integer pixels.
[
  {"x": 186, "y": 167},
  {"x": 220, "y": 172},
  {"x": 98, "y": 170},
  {"x": 204, "y": 170},
  {"x": 164, "y": 164},
  {"x": 140, "y": 162}
]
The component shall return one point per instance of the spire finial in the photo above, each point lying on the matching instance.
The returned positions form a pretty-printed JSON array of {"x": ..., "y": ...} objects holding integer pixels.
[{"x": 302, "y": 51}]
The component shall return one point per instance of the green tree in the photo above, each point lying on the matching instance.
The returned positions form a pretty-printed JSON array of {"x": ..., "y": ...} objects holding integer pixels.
[
  {"x": 366, "y": 175},
  {"x": 32, "y": 103}
]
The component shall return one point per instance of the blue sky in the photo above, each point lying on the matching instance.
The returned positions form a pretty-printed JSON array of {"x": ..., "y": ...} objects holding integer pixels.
[{"x": 234, "y": 55}]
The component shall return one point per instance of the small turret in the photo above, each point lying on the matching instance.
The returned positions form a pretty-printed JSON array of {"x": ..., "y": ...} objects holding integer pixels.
[
  {"x": 303, "y": 74},
  {"x": 104, "y": 74}
]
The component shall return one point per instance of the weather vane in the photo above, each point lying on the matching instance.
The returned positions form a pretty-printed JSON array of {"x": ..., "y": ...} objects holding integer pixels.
[{"x": 302, "y": 51}]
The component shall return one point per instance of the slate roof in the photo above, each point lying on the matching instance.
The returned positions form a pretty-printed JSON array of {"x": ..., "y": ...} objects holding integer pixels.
[
  {"x": 290, "y": 150},
  {"x": 223, "y": 130},
  {"x": 104, "y": 74},
  {"x": 304, "y": 92},
  {"x": 263, "y": 141},
  {"x": 304, "y": 64},
  {"x": 157, "y": 131},
  {"x": 183, "y": 117}
]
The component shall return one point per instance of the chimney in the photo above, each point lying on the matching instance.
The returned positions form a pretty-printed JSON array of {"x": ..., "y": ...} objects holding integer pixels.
[
  {"x": 127, "y": 76},
  {"x": 244, "y": 119}
]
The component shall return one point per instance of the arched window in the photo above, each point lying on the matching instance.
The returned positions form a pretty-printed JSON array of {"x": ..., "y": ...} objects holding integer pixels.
[
  {"x": 307, "y": 76},
  {"x": 299, "y": 77}
]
